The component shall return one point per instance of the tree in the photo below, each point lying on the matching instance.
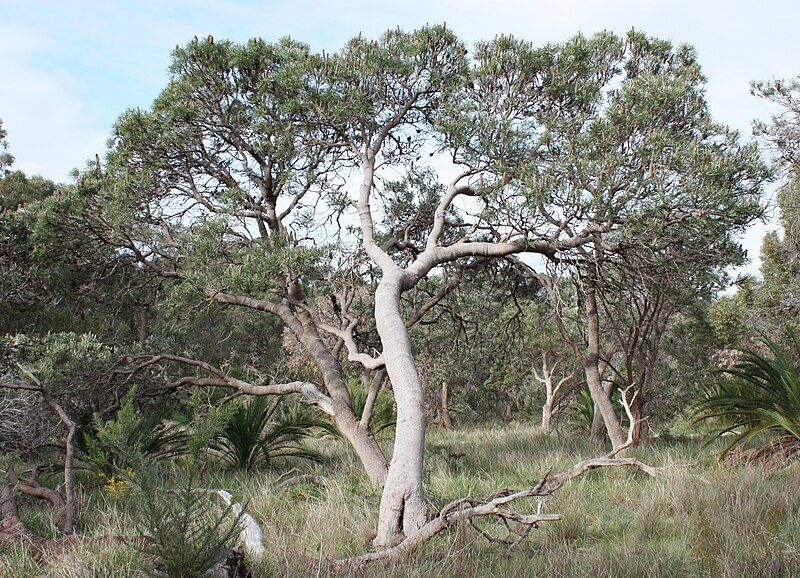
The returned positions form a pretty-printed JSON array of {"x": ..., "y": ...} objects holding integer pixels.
[
  {"x": 565, "y": 165},
  {"x": 768, "y": 306},
  {"x": 586, "y": 153}
]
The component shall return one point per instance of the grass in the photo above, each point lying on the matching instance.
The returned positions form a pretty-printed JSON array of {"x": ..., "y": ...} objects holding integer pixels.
[{"x": 707, "y": 519}]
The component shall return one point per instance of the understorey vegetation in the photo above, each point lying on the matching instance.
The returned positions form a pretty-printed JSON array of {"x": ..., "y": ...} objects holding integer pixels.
[{"x": 414, "y": 307}]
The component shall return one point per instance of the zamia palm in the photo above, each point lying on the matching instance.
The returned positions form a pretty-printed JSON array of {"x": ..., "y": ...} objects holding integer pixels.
[
  {"x": 259, "y": 430},
  {"x": 761, "y": 395}
]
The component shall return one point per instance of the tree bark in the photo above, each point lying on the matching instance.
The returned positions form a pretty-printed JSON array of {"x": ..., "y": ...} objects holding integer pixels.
[
  {"x": 403, "y": 508},
  {"x": 598, "y": 431},
  {"x": 591, "y": 364},
  {"x": 551, "y": 388},
  {"x": 345, "y": 419},
  {"x": 373, "y": 384},
  {"x": 547, "y": 413},
  {"x": 637, "y": 409}
]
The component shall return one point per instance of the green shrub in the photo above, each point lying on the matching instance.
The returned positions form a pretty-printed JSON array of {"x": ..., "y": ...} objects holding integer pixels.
[
  {"x": 762, "y": 394},
  {"x": 129, "y": 438},
  {"x": 258, "y": 430},
  {"x": 185, "y": 532},
  {"x": 581, "y": 412}
]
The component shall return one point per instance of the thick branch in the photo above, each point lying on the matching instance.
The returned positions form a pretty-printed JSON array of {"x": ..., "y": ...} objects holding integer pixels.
[
  {"x": 221, "y": 379},
  {"x": 258, "y": 304},
  {"x": 441, "y": 210}
]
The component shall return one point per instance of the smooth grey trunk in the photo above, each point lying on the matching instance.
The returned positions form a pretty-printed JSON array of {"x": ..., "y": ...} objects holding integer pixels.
[
  {"x": 551, "y": 388},
  {"x": 373, "y": 384},
  {"x": 591, "y": 363},
  {"x": 403, "y": 508},
  {"x": 547, "y": 414}
]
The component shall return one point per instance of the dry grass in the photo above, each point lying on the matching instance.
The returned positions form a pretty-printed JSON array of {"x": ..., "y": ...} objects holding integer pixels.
[{"x": 709, "y": 519}]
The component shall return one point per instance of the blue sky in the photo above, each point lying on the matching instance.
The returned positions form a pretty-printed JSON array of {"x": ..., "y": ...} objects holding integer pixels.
[{"x": 69, "y": 68}]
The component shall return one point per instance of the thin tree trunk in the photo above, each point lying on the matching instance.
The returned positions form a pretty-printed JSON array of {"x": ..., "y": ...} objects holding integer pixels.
[
  {"x": 446, "y": 423},
  {"x": 591, "y": 363},
  {"x": 142, "y": 324},
  {"x": 403, "y": 508},
  {"x": 373, "y": 389},
  {"x": 547, "y": 413},
  {"x": 507, "y": 412},
  {"x": 598, "y": 431}
]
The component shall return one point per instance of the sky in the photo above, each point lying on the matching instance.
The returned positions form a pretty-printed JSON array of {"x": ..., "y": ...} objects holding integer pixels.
[{"x": 68, "y": 69}]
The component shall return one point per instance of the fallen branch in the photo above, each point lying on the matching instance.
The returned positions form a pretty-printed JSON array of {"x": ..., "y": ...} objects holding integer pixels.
[
  {"x": 496, "y": 505},
  {"x": 251, "y": 535},
  {"x": 13, "y": 532}
]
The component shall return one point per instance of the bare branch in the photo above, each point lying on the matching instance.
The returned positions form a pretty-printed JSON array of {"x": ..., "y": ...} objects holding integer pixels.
[
  {"x": 66, "y": 505},
  {"x": 221, "y": 379},
  {"x": 453, "y": 190},
  {"x": 346, "y": 335}
]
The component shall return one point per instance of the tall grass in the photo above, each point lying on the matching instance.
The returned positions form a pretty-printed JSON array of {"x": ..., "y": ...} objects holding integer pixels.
[{"x": 703, "y": 519}]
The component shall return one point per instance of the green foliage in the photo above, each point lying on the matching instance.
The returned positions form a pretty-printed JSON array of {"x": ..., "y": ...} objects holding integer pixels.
[
  {"x": 728, "y": 317},
  {"x": 130, "y": 440},
  {"x": 185, "y": 532},
  {"x": 5, "y": 157},
  {"x": 581, "y": 410},
  {"x": 208, "y": 418},
  {"x": 761, "y": 395},
  {"x": 256, "y": 431}
]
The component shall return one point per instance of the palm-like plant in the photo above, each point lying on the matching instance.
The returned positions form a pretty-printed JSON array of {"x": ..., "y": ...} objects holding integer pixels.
[
  {"x": 762, "y": 395},
  {"x": 582, "y": 413},
  {"x": 259, "y": 430}
]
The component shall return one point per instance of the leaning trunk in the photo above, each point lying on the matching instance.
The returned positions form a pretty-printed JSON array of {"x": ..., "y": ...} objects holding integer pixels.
[
  {"x": 365, "y": 446},
  {"x": 403, "y": 508},
  {"x": 598, "y": 431},
  {"x": 345, "y": 419},
  {"x": 591, "y": 364}
]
